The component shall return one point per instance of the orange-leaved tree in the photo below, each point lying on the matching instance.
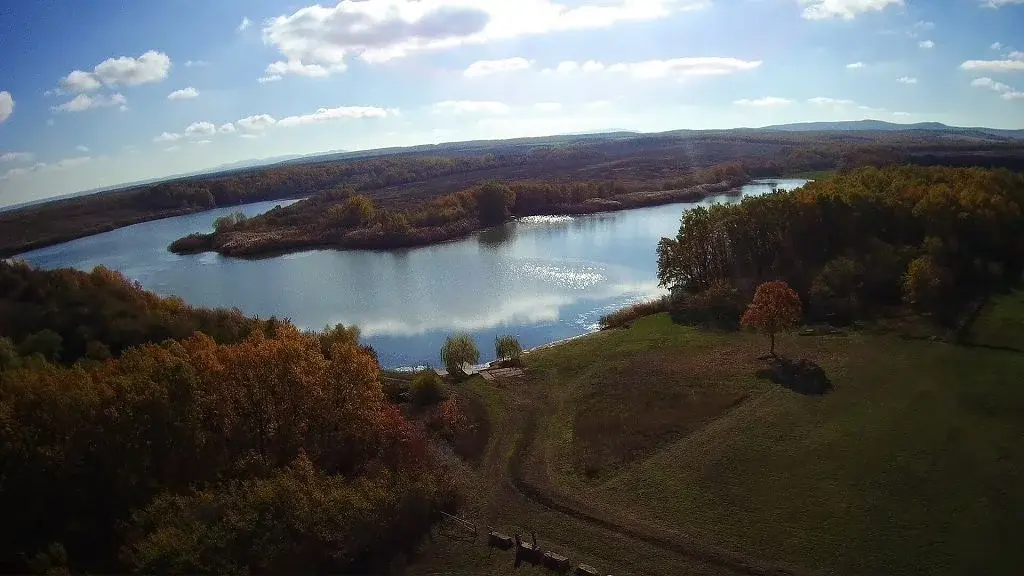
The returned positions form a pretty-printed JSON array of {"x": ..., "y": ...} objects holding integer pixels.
[{"x": 775, "y": 307}]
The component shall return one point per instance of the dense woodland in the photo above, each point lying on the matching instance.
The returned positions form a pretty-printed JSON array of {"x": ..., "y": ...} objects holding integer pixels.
[
  {"x": 857, "y": 244},
  {"x": 260, "y": 449},
  {"x": 406, "y": 179}
]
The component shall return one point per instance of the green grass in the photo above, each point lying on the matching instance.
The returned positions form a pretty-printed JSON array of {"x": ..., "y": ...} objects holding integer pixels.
[
  {"x": 908, "y": 467},
  {"x": 1001, "y": 322}
]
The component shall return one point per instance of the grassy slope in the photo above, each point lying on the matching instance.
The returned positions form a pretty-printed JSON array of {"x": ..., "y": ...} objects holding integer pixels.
[
  {"x": 910, "y": 466},
  {"x": 1001, "y": 323},
  {"x": 907, "y": 467}
]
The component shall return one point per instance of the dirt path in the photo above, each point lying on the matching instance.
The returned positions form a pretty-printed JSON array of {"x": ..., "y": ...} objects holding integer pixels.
[{"x": 512, "y": 497}]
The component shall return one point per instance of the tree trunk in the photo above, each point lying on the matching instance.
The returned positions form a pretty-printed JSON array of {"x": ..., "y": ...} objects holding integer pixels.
[{"x": 773, "y": 344}]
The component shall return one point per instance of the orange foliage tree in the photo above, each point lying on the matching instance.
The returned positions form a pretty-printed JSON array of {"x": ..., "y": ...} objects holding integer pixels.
[{"x": 775, "y": 307}]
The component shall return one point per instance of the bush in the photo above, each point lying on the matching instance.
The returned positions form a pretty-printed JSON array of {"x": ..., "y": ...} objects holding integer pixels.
[
  {"x": 631, "y": 313},
  {"x": 457, "y": 352},
  {"x": 720, "y": 306},
  {"x": 507, "y": 348},
  {"x": 427, "y": 388}
]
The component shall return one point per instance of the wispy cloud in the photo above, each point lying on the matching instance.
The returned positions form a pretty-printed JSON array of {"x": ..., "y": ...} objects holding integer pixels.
[
  {"x": 907, "y": 80},
  {"x": 843, "y": 9},
  {"x": 767, "y": 101},
  {"x": 855, "y": 65}
]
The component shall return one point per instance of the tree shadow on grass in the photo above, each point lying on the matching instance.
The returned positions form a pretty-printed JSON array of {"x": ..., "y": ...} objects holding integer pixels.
[{"x": 801, "y": 376}]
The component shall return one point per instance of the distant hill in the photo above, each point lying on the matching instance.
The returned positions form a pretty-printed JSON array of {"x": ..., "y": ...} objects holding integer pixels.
[{"x": 882, "y": 126}]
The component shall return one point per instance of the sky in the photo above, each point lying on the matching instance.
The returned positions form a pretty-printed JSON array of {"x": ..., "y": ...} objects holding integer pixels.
[{"x": 94, "y": 93}]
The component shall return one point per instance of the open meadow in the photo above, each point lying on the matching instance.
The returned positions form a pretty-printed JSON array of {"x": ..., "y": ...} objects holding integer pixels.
[{"x": 655, "y": 449}]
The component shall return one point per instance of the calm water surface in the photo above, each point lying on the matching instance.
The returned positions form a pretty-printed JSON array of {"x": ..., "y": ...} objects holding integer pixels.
[{"x": 541, "y": 278}]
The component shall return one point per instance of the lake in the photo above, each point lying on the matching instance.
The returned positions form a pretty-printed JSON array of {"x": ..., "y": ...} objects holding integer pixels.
[{"x": 540, "y": 278}]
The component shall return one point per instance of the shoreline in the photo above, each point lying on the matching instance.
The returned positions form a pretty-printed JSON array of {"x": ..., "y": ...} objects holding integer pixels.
[{"x": 433, "y": 236}]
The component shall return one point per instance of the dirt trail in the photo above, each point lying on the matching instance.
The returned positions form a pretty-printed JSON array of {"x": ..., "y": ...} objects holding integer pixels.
[{"x": 512, "y": 497}]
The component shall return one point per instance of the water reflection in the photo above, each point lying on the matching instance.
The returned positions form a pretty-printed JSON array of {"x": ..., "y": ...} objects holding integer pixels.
[{"x": 541, "y": 278}]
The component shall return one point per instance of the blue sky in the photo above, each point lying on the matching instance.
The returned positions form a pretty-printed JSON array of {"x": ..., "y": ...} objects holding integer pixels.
[{"x": 99, "y": 92}]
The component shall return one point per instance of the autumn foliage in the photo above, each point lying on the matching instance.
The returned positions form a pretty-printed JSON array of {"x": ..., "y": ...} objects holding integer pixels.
[
  {"x": 277, "y": 453},
  {"x": 775, "y": 308},
  {"x": 859, "y": 244}
]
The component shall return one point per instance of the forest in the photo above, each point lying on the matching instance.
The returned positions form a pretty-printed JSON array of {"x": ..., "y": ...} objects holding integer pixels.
[
  {"x": 139, "y": 434},
  {"x": 406, "y": 179},
  {"x": 856, "y": 245}
]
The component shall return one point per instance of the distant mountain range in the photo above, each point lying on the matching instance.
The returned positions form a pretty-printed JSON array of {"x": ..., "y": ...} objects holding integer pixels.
[{"x": 881, "y": 126}]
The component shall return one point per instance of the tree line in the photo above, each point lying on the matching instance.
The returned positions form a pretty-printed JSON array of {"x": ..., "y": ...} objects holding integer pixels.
[
  {"x": 859, "y": 243},
  {"x": 273, "y": 451}
]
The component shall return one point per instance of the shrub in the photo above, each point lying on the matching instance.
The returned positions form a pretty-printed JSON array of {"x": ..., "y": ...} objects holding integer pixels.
[
  {"x": 631, "y": 313},
  {"x": 507, "y": 348},
  {"x": 427, "y": 388},
  {"x": 720, "y": 306},
  {"x": 457, "y": 352}
]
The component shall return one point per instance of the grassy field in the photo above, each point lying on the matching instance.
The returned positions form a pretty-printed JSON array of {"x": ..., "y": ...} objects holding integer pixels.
[
  {"x": 1001, "y": 323},
  {"x": 909, "y": 466}
]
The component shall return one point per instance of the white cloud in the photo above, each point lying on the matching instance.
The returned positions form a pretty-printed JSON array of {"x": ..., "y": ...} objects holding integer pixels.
[
  {"x": 152, "y": 66},
  {"x": 767, "y": 101},
  {"x": 244, "y": 24},
  {"x": 901, "y": 114},
  {"x": 183, "y": 94},
  {"x": 470, "y": 107},
  {"x": 70, "y": 163},
  {"x": 845, "y": 9},
  {"x": 278, "y": 70},
  {"x": 203, "y": 142},
  {"x": 678, "y": 68},
  {"x": 991, "y": 84},
  {"x": 227, "y": 128},
  {"x": 249, "y": 136},
  {"x": 482, "y": 68},
  {"x": 996, "y": 46},
  {"x": 907, "y": 80},
  {"x": 257, "y": 123},
  {"x": 1016, "y": 55},
  {"x": 15, "y": 172},
  {"x": 855, "y": 65},
  {"x": 81, "y": 148},
  {"x": 168, "y": 137},
  {"x": 926, "y": 44},
  {"x": 16, "y": 156},
  {"x": 999, "y": 3},
  {"x": 381, "y": 30},
  {"x": 86, "y": 102},
  {"x": 1009, "y": 65},
  {"x": 1006, "y": 92},
  {"x": 326, "y": 114},
  {"x": 823, "y": 101},
  {"x": 174, "y": 148},
  {"x": 547, "y": 106},
  {"x": 6, "y": 105},
  {"x": 198, "y": 129},
  {"x": 924, "y": 25},
  {"x": 196, "y": 63}
]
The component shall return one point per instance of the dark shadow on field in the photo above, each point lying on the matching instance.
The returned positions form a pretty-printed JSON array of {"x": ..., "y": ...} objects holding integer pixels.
[{"x": 801, "y": 376}]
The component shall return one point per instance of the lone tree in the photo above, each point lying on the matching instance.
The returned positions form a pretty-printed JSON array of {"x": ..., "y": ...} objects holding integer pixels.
[
  {"x": 775, "y": 307},
  {"x": 457, "y": 352},
  {"x": 507, "y": 348}
]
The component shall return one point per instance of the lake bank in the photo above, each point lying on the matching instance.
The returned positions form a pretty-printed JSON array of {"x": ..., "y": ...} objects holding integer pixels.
[
  {"x": 241, "y": 242},
  {"x": 540, "y": 278}
]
